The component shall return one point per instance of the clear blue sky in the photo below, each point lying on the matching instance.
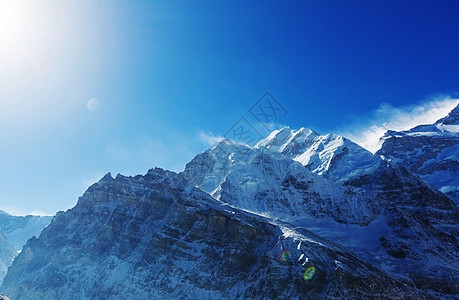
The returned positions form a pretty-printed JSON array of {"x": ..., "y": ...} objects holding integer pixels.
[{"x": 164, "y": 72}]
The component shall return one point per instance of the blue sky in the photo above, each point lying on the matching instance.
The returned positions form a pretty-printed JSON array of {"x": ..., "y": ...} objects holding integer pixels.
[{"x": 168, "y": 73}]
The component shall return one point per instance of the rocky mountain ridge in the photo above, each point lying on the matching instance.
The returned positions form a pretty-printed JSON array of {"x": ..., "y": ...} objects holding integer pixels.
[{"x": 158, "y": 236}]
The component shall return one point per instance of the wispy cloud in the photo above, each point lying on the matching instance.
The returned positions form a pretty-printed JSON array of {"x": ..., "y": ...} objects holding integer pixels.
[
  {"x": 366, "y": 130},
  {"x": 209, "y": 139},
  {"x": 255, "y": 129},
  {"x": 18, "y": 211}
]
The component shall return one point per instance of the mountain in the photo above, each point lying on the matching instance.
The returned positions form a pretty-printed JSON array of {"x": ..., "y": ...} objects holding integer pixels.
[
  {"x": 14, "y": 233},
  {"x": 300, "y": 215},
  {"x": 157, "y": 236},
  {"x": 7, "y": 254},
  {"x": 18, "y": 229},
  {"x": 385, "y": 214},
  {"x": 269, "y": 183},
  {"x": 430, "y": 151},
  {"x": 331, "y": 155}
]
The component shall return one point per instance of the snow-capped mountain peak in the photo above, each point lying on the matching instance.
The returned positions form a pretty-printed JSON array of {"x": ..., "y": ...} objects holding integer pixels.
[
  {"x": 332, "y": 155},
  {"x": 279, "y": 140},
  {"x": 452, "y": 118}
]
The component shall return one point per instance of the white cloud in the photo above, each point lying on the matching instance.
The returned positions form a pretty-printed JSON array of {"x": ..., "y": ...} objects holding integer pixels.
[
  {"x": 209, "y": 139},
  {"x": 19, "y": 211},
  {"x": 366, "y": 130},
  {"x": 89, "y": 179},
  {"x": 262, "y": 130}
]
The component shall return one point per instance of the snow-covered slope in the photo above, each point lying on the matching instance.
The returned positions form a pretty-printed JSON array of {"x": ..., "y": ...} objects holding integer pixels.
[
  {"x": 269, "y": 183},
  {"x": 389, "y": 216},
  {"x": 18, "y": 229},
  {"x": 332, "y": 155},
  {"x": 430, "y": 151},
  {"x": 156, "y": 236}
]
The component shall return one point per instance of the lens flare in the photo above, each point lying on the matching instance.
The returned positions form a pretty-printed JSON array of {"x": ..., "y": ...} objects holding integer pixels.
[
  {"x": 93, "y": 103},
  {"x": 285, "y": 255},
  {"x": 309, "y": 273}
]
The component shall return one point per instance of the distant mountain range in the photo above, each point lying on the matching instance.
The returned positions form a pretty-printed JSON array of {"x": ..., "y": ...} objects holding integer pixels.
[
  {"x": 18, "y": 229},
  {"x": 14, "y": 233},
  {"x": 298, "y": 216},
  {"x": 7, "y": 254}
]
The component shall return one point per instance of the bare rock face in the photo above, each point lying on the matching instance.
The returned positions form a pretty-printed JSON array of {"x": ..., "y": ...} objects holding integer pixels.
[
  {"x": 156, "y": 236},
  {"x": 430, "y": 151}
]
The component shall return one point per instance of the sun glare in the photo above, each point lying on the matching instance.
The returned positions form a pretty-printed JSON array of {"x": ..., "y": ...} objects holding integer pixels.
[{"x": 12, "y": 23}]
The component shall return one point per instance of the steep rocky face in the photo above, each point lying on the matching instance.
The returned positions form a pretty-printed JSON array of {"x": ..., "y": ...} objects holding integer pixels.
[
  {"x": 156, "y": 236},
  {"x": 331, "y": 155},
  {"x": 420, "y": 236},
  {"x": 389, "y": 217},
  {"x": 7, "y": 253},
  {"x": 18, "y": 229},
  {"x": 430, "y": 151}
]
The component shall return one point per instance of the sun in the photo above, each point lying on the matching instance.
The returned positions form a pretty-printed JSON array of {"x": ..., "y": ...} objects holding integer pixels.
[{"x": 12, "y": 23}]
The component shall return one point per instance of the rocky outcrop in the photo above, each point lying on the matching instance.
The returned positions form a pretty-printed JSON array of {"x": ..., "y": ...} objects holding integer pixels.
[{"x": 156, "y": 236}]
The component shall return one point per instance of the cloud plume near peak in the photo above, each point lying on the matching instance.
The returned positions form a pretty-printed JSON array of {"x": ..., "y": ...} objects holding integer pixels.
[
  {"x": 209, "y": 139},
  {"x": 366, "y": 130}
]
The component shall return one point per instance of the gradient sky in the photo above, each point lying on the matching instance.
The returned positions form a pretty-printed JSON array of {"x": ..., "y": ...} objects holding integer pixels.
[{"x": 168, "y": 74}]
